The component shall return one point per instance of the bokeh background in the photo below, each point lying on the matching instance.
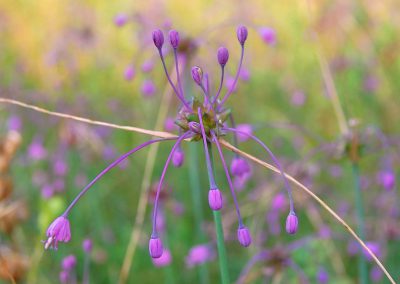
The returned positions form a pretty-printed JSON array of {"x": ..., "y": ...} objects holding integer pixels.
[{"x": 96, "y": 59}]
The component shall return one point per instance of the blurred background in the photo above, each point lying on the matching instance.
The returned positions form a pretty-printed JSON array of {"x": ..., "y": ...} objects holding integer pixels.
[{"x": 319, "y": 85}]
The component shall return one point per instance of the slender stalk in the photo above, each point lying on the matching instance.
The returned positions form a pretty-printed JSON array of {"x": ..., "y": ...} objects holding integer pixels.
[
  {"x": 362, "y": 263},
  {"x": 223, "y": 264},
  {"x": 197, "y": 204}
]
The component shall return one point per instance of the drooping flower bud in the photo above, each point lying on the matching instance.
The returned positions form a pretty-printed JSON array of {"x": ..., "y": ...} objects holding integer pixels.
[
  {"x": 174, "y": 38},
  {"x": 215, "y": 199},
  {"x": 244, "y": 237},
  {"x": 242, "y": 34},
  {"x": 223, "y": 56},
  {"x": 158, "y": 38},
  {"x": 58, "y": 231},
  {"x": 155, "y": 247},
  {"x": 197, "y": 75},
  {"x": 292, "y": 223},
  {"x": 178, "y": 158}
]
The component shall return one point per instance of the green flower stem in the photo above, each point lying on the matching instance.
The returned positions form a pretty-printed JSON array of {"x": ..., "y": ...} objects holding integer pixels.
[
  {"x": 223, "y": 264},
  {"x": 362, "y": 263},
  {"x": 197, "y": 204}
]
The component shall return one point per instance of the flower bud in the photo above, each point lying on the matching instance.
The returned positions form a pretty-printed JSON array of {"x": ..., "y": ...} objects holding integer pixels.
[
  {"x": 223, "y": 56},
  {"x": 215, "y": 199},
  {"x": 292, "y": 223},
  {"x": 242, "y": 34},
  {"x": 158, "y": 38},
  {"x": 174, "y": 38},
  {"x": 244, "y": 237},
  {"x": 155, "y": 247},
  {"x": 195, "y": 127},
  {"x": 178, "y": 158},
  {"x": 197, "y": 75}
]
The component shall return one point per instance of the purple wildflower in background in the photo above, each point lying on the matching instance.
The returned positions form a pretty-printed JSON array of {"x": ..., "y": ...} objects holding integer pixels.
[
  {"x": 268, "y": 35},
  {"x": 148, "y": 88},
  {"x": 206, "y": 120},
  {"x": 36, "y": 150},
  {"x": 120, "y": 20},
  {"x": 198, "y": 255},
  {"x": 129, "y": 73}
]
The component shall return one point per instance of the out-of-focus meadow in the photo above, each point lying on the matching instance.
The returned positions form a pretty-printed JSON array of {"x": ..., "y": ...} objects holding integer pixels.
[{"x": 320, "y": 86}]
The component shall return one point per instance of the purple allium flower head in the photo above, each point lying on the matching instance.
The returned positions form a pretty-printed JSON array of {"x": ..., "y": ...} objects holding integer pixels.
[
  {"x": 174, "y": 38},
  {"x": 158, "y": 39},
  {"x": 215, "y": 199},
  {"x": 147, "y": 66},
  {"x": 64, "y": 277},
  {"x": 387, "y": 179},
  {"x": 120, "y": 20},
  {"x": 69, "y": 262},
  {"x": 87, "y": 245},
  {"x": 376, "y": 274},
  {"x": 242, "y": 34},
  {"x": 129, "y": 73},
  {"x": 278, "y": 202},
  {"x": 322, "y": 276},
  {"x": 239, "y": 166},
  {"x": 246, "y": 128},
  {"x": 155, "y": 247},
  {"x": 36, "y": 151},
  {"x": 244, "y": 237},
  {"x": 148, "y": 88},
  {"x": 197, "y": 75},
  {"x": 198, "y": 255},
  {"x": 223, "y": 56},
  {"x": 292, "y": 223},
  {"x": 164, "y": 260},
  {"x": 178, "y": 158},
  {"x": 268, "y": 35},
  {"x": 14, "y": 123},
  {"x": 58, "y": 231}
]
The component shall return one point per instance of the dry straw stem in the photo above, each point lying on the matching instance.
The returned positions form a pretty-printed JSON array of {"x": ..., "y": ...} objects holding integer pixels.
[{"x": 228, "y": 146}]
